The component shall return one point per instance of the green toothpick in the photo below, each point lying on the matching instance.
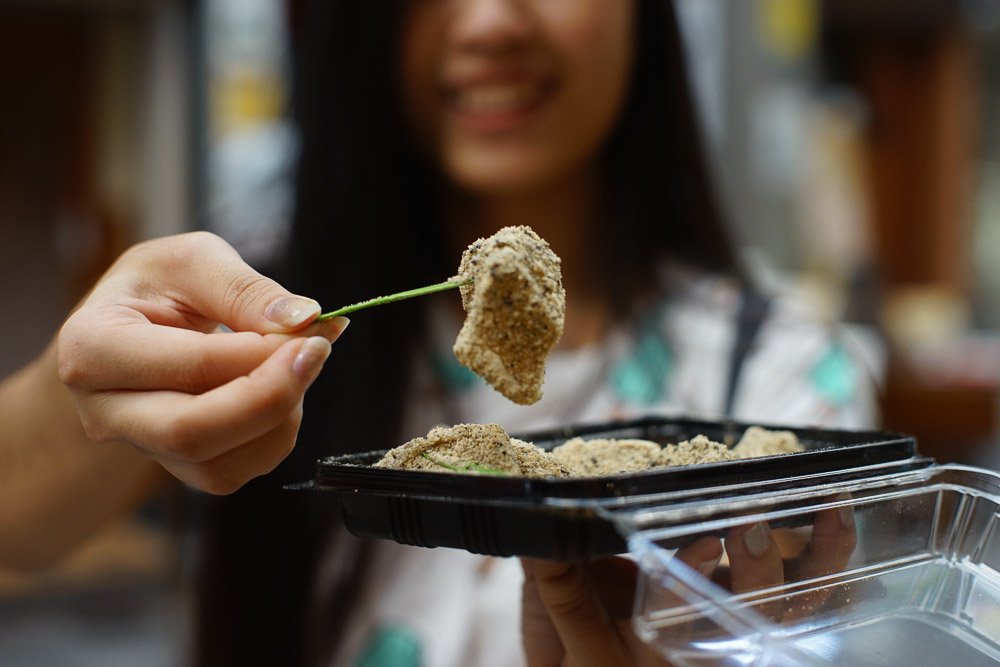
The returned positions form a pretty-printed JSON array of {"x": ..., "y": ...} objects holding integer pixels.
[{"x": 399, "y": 296}]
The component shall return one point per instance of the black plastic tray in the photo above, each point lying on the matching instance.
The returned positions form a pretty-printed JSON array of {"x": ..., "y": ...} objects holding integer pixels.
[{"x": 558, "y": 518}]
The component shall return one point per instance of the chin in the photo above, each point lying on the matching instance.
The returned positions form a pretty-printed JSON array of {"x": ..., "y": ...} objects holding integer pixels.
[
  {"x": 489, "y": 176},
  {"x": 487, "y": 185}
]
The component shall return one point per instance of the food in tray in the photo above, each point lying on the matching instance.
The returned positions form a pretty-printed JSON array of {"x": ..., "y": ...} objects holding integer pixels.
[
  {"x": 475, "y": 448},
  {"x": 515, "y": 309},
  {"x": 607, "y": 456},
  {"x": 488, "y": 449},
  {"x": 612, "y": 456},
  {"x": 757, "y": 441}
]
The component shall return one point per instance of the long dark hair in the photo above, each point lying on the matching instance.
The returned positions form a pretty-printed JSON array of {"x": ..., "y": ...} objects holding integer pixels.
[{"x": 366, "y": 225}]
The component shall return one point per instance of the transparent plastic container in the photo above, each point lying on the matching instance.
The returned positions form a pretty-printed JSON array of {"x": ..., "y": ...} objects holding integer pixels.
[
  {"x": 901, "y": 568},
  {"x": 871, "y": 554}
]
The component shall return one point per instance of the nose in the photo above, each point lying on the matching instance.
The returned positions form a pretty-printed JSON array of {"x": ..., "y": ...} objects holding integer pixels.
[{"x": 491, "y": 25}]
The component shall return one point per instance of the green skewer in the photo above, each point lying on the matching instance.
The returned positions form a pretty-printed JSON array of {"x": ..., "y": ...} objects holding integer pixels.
[
  {"x": 466, "y": 467},
  {"x": 399, "y": 296}
]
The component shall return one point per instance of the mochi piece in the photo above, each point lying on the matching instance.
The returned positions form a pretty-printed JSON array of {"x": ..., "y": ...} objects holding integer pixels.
[
  {"x": 602, "y": 456},
  {"x": 485, "y": 445},
  {"x": 758, "y": 441},
  {"x": 515, "y": 311},
  {"x": 475, "y": 449}
]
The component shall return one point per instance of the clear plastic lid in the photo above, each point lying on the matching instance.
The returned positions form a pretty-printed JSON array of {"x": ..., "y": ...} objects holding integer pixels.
[{"x": 901, "y": 568}]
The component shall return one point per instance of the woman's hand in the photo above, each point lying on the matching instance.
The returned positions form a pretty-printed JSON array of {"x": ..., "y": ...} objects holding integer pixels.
[
  {"x": 147, "y": 363},
  {"x": 580, "y": 614}
]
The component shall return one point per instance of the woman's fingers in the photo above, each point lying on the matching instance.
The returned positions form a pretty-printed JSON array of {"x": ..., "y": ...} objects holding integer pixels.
[
  {"x": 542, "y": 645},
  {"x": 549, "y": 641},
  {"x": 702, "y": 555},
  {"x": 197, "y": 428},
  {"x": 137, "y": 355},
  {"x": 228, "y": 472},
  {"x": 754, "y": 558},
  {"x": 614, "y": 581},
  {"x": 587, "y": 633},
  {"x": 201, "y": 274},
  {"x": 830, "y": 547},
  {"x": 755, "y": 563}
]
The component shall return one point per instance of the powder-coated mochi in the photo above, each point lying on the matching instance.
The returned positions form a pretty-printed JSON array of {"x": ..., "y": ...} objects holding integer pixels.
[{"x": 515, "y": 311}]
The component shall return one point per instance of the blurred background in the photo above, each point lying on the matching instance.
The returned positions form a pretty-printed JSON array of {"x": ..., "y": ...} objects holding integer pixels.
[{"x": 856, "y": 146}]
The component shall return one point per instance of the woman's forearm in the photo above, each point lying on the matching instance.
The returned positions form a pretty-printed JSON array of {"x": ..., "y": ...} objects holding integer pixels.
[{"x": 56, "y": 486}]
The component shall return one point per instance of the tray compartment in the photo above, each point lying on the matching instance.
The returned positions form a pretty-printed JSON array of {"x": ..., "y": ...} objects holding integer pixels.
[{"x": 563, "y": 518}]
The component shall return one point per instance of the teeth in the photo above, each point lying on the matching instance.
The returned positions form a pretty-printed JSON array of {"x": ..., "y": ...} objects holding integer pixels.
[{"x": 495, "y": 97}]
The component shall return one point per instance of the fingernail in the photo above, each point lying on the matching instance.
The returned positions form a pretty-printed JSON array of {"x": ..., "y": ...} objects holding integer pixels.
[
  {"x": 291, "y": 311},
  {"x": 341, "y": 323},
  {"x": 756, "y": 540},
  {"x": 310, "y": 359}
]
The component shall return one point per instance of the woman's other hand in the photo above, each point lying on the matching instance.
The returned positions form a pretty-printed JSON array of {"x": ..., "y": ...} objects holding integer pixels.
[
  {"x": 148, "y": 364},
  {"x": 580, "y": 613}
]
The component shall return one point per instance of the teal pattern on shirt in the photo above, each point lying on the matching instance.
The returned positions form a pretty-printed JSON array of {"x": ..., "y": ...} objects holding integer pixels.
[
  {"x": 390, "y": 647},
  {"x": 642, "y": 376},
  {"x": 453, "y": 375},
  {"x": 835, "y": 375}
]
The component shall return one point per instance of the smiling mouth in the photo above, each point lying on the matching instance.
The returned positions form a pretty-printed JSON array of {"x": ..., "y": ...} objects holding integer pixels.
[{"x": 499, "y": 104}]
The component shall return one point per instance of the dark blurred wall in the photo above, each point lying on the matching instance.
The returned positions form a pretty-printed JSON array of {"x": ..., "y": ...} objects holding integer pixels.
[
  {"x": 94, "y": 133},
  {"x": 45, "y": 69}
]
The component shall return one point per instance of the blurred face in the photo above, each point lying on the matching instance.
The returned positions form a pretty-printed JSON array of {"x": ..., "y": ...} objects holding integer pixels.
[{"x": 511, "y": 95}]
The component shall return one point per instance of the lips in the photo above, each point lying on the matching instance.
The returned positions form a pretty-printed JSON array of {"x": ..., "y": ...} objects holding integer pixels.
[
  {"x": 496, "y": 97},
  {"x": 496, "y": 103}
]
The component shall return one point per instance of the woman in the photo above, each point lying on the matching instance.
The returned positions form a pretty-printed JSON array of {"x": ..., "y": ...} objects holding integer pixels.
[{"x": 427, "y": 124}]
